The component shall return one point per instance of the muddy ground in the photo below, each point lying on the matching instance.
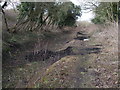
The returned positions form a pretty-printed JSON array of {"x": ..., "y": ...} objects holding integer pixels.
[{"x": 84, "y": 57}]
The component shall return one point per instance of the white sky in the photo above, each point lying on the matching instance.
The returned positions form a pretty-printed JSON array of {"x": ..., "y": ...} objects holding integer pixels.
[{"x": 85, "y": 16}]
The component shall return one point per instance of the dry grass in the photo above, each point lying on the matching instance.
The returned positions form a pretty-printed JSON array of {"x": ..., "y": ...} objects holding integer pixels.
[
  {"x": 59, "y": 72},
  {"x": 106, "y": 63},
  {"x": 109, "y": 38}
]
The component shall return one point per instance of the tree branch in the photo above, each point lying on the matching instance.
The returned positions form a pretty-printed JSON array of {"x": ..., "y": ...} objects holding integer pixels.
[{"x": 5, "y": 20}]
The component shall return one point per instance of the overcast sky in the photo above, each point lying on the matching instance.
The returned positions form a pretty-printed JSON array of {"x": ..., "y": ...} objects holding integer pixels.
[{"x": 85, "y": 16}]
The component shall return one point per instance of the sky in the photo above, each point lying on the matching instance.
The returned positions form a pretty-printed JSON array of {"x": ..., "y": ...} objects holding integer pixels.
[{"x": 85, "y": 16}]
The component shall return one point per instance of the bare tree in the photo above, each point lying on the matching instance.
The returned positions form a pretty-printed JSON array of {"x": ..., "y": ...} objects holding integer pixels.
[{"x": 2, "y": 9}]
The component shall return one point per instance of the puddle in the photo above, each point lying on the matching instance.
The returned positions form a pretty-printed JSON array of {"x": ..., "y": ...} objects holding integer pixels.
[
  {"x": 46, "y": 54},
  {"x": 56, "y": 55},
  {"x": 81, "y": 36},
  {"x": 49, "y": 57},
  {"x": 95, "y": 50}
]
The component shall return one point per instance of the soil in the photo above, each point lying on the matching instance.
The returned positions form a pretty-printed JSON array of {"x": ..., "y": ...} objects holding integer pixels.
[{"x": 66, "y": 61}]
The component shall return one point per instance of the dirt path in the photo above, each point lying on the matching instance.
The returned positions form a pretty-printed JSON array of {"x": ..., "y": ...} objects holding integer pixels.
[
  {"x": 79, "y": 75},
  {"x": 73, "y": 67},
  {"x": 87, "y": 68},
  {"x": 31, "y": 72}
]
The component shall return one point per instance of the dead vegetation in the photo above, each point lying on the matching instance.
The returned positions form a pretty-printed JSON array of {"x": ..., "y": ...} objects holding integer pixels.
[
  {"x": 106, "y": 63},
  {"x": 87, "y": 69}
]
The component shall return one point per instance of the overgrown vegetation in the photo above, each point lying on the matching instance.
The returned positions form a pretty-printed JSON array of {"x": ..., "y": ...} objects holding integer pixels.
[
  {"x": 45, "y": 48},
  {"x": 52, "y": 13},
  {"x": 40, "y": 17},
  {"x": 106, "y": 12}
]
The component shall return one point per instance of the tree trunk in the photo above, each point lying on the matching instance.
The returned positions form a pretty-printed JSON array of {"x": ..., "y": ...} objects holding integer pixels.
[{"x": 5, "y": 20}]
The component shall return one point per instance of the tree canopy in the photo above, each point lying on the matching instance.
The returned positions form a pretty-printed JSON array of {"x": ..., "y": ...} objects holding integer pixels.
[{"x": 47, "y": 13}]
